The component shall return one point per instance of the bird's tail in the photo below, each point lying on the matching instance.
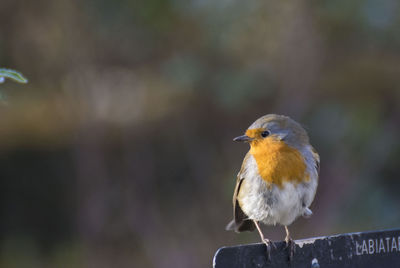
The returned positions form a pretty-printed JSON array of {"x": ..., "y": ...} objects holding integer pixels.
[
  {"x": 231, "y": 226},
  {"x": 246, "y": 225}
]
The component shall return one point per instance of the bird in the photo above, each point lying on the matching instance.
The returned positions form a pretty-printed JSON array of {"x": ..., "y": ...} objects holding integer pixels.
[{"x": 278, "y": 178}]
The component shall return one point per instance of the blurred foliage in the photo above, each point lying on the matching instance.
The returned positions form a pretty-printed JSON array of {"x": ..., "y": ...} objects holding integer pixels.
[
  {"x": 13, "y": 75},
  {"x": 119, "y": 151}
]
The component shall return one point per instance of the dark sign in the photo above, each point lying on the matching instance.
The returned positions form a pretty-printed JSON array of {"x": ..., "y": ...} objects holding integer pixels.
[{"x": 368, "y": 249}]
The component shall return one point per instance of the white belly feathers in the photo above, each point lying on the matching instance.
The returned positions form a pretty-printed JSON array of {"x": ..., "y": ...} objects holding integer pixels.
[{"x": 273, "y": 205}]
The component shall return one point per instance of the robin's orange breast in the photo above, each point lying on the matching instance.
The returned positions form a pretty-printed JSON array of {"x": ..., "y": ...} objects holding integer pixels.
[{"x": 279, "y": 163}]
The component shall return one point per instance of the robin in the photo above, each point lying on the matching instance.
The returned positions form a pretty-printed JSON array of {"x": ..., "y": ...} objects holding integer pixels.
[{"x": 278, "y": 178}]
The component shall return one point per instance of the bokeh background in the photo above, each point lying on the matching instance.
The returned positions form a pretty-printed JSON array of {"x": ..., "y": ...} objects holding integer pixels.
[{"x": 119, "y": 152}]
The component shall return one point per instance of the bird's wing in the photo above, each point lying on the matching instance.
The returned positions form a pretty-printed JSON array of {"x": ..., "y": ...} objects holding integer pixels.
[
  {"x": 316, "y": 158},
  {"x": 240, "y": 222}
]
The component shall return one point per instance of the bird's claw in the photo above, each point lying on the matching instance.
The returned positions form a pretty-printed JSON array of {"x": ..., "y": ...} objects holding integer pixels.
[
  {"x": 268, "y": 243},
  {"x": 291, "y": 245}
]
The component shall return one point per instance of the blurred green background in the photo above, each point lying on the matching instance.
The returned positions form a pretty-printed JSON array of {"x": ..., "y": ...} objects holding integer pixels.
[{"x": 119, "y": 152}]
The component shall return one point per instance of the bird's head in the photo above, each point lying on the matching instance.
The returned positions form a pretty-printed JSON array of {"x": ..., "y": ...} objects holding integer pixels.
[{"x": 275, "y": 128}]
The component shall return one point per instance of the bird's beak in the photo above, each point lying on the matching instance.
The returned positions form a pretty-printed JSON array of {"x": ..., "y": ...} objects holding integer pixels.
[{"x": 243, "y": 138}]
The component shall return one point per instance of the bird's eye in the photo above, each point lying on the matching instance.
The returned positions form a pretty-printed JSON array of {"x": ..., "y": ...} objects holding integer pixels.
[{"x": 264, "y": 134}]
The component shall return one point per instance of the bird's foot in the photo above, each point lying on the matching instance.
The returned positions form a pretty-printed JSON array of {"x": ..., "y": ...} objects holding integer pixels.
[
  {"x": 268, "y": 243},
  {"x": 291, "y": 246}
]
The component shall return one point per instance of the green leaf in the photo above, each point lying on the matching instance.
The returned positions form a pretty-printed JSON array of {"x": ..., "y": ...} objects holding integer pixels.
[{"x": 13, "y": 75}]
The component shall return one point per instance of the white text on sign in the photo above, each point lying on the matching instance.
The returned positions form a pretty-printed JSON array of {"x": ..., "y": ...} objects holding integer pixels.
[{"x": 377, "y": 246}]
